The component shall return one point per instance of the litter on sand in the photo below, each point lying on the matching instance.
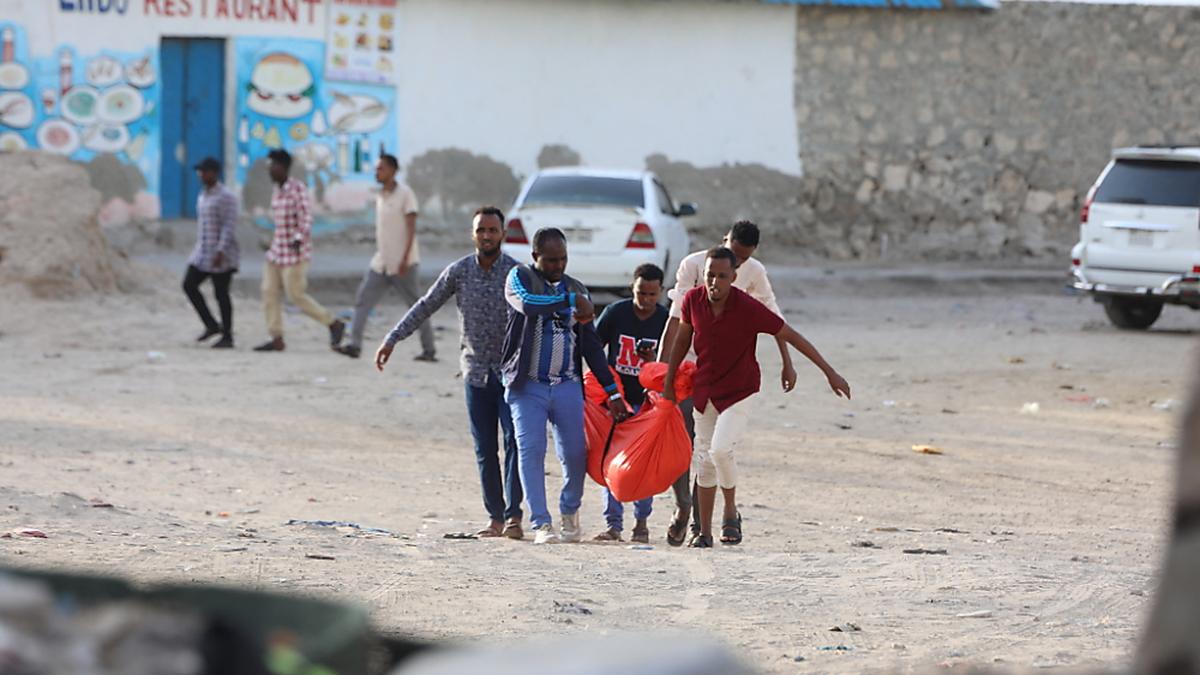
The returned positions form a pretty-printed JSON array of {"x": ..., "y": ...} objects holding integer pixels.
[
  {"x": 339, "y": 524},
  {"x": 927, "y": 449},
  {"x": 981, "y": 614},
  {"x": 25, "y": 532},
  {"x": 926, "y": 551},
  {"x": 1031, "y": 409},
  {"x": 319, "y": 556},
  {"x": 459, "y": 535}
]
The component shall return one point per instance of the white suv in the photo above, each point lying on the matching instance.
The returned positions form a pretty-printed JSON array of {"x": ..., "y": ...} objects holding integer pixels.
[
  {"x": 614, "y": 221},
  {"x": 1139, "y": 235}
]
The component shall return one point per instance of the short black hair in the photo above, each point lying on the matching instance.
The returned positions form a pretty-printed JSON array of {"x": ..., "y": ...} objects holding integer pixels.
[
  {"x": 745, "y": 233},
  {"x": 722, "y": 253},
  {"x": 490, "y": 211},
  {"x": 649, "y": 272},
  {"x": 281, "y": 156},
  {"x": 546, "y": 234},
  {"x": 390, "y": 160}
]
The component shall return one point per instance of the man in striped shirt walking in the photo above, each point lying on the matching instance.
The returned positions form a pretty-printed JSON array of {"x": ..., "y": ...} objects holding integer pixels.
[
  {"x": 216, "y": 254},
  {"x": 550, "y": 333}
]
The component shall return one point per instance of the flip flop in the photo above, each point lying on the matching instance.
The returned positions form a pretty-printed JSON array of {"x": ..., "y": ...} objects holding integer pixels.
[
  {"x": 677, "y": 532},
  {"x": 701, "y": 541},
  {"x": 490, "y": 532},
  {"x": 513, "y": 530},
  {"x": 731, "y": 531},
  {"x": 608, "y": 535}
]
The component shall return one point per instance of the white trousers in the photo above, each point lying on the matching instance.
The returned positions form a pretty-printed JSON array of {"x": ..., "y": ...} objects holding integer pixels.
[{"x": 717, "y": 436}]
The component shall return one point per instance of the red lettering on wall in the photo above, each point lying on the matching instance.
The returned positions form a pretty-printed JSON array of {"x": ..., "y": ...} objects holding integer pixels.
[
  {"x": 152, "y": 4},
  {"x": 241, "y": 10}
]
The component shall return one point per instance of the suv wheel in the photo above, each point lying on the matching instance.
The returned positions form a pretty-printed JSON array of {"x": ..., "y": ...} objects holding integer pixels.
[{"x": 1132, "y": 314}]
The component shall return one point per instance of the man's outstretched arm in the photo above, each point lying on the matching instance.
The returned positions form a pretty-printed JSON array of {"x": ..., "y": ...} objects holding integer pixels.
[
  {"x": 437, "y": 295},
  {"x": 802, "y": 345}
]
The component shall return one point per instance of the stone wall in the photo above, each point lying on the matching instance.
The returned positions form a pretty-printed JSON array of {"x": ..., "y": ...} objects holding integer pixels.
[
  {"x": 960, "y": 135},
  {"x": 976, "y": 135}
]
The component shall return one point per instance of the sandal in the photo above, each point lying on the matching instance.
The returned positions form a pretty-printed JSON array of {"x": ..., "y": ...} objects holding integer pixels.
[
  {"x": 640, "y": 535},
  {"x": 513, "y": 530},
  {"x": 701, "y": 541},
  {"x": 608, "y": 535},
  {"x": 731, "y": 531},
  {"x": 677, "y": 531},
  {"x": 490, "y": 532}
]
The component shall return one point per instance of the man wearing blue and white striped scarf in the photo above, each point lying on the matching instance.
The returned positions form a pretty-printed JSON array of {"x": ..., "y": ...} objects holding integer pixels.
[{"x": 550, "y": 334}]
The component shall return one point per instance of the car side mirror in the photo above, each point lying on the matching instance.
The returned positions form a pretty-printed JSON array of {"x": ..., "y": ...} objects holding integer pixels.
[{"x": 687, "y": 209}]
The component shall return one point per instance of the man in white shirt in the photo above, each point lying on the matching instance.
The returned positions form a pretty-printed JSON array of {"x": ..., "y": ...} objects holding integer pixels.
[
  {"x": 396, "y": 260},
  {"x": 742, "y": 239}
]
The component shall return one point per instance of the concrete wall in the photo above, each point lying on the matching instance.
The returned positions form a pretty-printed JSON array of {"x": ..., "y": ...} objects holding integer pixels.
[
  {"x": 963, "y": 135},
  {"x": 605, "y": 82}
]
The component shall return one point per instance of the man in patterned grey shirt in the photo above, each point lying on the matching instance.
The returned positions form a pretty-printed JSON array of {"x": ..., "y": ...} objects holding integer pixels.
[
  {"x": 477, "y": 282},
  {"x": 216, "y": 253}
]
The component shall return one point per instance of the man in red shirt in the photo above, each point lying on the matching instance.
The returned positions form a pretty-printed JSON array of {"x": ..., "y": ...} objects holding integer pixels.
[{"x": 725, "y": 323}]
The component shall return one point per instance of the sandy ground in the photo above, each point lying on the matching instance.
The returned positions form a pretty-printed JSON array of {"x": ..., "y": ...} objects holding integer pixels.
[{"x": 1052, "y": 523}]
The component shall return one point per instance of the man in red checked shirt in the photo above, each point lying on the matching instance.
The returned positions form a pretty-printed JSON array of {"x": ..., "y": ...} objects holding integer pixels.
[
  {"x": 725, "y": 322},
  {"x": 286, "y": 270}
]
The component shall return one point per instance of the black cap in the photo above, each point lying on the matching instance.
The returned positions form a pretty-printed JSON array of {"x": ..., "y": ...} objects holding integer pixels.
[{"x": 208, "y": 164}]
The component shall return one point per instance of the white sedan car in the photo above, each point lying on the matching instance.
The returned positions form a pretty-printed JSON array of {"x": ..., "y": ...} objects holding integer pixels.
[{"x": 614, "y": 221}]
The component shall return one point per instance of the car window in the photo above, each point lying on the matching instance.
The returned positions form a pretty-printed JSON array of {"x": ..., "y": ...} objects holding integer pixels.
[
  {"x": 1153, "y": 182},
  {"x": 664, "y": 200},
  {"x": 591, "y": 190}
]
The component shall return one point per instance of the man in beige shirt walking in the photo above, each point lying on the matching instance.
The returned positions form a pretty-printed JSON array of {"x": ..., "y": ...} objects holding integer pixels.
[{"x": 396, "y": 258}]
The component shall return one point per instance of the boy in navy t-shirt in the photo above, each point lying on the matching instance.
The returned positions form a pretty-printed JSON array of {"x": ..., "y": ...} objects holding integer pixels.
[{"x": 630, "y": 330}]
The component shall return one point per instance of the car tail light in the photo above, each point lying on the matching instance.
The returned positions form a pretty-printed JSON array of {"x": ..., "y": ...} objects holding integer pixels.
[
  {"x": 515, "y": 234},
  {"x": 641, "y": 237},
  {"x": 1076, "y": 262},
  {"x": 1195, "y": 269},
  {"x": 1087, "y": 206}
]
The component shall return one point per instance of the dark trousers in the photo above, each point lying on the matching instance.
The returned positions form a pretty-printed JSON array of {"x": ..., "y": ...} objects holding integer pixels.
[
  {"x": 487, "y": 409},
  {"x": 220, "y": 281},
  {"x": 684, "y": 496}
]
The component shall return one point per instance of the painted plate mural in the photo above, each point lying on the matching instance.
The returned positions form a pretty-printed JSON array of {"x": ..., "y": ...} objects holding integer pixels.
[
  {"x": 58, "y": 137},
  {"x": 80, "y": 104}
]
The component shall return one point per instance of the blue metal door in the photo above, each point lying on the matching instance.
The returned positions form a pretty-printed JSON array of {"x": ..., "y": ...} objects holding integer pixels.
[{"x": 193, "y": 77}]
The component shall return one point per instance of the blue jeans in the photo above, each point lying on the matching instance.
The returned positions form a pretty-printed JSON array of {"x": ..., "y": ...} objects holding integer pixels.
[
  {"x": 534, "y": 404},
  {"x": 486, "y": 407},
  {"x": 614, "y": 511}
]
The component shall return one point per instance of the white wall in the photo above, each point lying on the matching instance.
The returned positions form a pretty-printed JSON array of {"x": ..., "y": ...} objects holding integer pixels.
[{"x": 616, "y": 80}]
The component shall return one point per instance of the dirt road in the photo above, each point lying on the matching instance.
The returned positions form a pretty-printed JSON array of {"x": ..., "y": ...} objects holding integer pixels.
[{"x": 1052, "y": 522}]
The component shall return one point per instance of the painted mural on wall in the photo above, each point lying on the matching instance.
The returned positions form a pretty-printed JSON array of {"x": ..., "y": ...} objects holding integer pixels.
[
  {"x": 334, "y": 130},
  {"x": 98, "y": 109}
]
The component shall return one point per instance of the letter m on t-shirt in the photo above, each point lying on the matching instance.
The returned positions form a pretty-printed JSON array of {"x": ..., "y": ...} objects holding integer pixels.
[{"x": 628, "y": 361}]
